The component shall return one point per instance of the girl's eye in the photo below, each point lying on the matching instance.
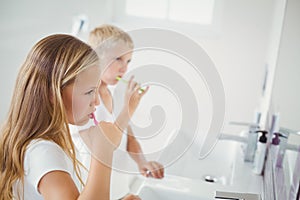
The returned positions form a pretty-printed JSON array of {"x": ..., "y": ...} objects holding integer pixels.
[
  {"x": 118, "y": 59},
  {"x": 90, "y": 92}
]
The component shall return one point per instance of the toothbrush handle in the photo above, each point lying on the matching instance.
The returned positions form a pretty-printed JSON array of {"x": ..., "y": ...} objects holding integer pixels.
[{"x": 125, "y": 81}]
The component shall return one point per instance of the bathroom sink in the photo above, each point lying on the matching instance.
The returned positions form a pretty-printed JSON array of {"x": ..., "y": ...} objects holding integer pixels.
[
  {"x": 190, "y": 178},
  {"x": 171, "y": 188},
  {"x": 178, "y": 188},
  {"x": 218, "y": 167},
  {"x": 162, "y": 194}
]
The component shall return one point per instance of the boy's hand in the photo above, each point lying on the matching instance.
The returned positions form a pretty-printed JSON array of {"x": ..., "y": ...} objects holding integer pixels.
[
  {"x": 152, "y": 169},
  {"x": 131, "y": 197},
  {"x": 133, "y": 95}
]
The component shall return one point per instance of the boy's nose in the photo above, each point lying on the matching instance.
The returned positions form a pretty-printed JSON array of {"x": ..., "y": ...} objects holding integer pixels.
[{"x": 124, "y": 67}]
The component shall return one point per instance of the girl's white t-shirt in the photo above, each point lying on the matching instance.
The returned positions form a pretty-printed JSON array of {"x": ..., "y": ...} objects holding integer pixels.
[{"x": 42, "y": 157}]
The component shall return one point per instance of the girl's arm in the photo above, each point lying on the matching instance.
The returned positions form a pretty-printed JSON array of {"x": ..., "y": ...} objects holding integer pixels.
[
  {"x": 98, "y": 183},
  {"x": 60, "y": 185}
]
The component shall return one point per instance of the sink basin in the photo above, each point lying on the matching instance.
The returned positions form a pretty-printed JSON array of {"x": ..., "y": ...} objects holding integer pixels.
[
  {"x": 190, "y": 178},
  {"x": 171, "y": 188},
  {"x": 163, "y": 194},
  {"x": 218, "y": 167}
]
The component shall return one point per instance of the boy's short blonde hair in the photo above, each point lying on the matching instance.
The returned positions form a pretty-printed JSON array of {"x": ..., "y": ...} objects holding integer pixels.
[{"x": 107, "y": 32}]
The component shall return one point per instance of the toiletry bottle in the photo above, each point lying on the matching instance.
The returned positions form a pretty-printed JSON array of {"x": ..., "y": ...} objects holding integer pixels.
[
  {"x": 274, "y": 149},
  {"x": 282, "y": 147},
  {"x": 260, "y": 153}
]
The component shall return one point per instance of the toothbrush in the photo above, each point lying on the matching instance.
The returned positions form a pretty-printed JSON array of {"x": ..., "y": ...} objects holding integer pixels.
[
  {"x": 120, "y": 79},
  {"x": 125, "y": 81},
  {"x": 95, "y": 120}
]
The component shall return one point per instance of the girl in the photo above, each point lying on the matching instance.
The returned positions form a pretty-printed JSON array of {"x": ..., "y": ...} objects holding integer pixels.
[{"x": 57, "y": 85}]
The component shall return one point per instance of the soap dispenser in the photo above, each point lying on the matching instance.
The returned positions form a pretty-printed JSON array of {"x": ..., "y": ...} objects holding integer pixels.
[
  {"x": 260, "y": 153},
  {"x": 274, "y": 149}
]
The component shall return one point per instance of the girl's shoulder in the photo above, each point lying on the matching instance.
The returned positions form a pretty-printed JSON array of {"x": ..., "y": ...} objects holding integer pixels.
[
  {"x": 42, "y": 144},
  {"x": 46, "y": 151},
  {"x": 43, "y": 156}
]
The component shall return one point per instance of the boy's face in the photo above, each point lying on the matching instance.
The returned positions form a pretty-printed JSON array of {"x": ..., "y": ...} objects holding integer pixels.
[
  {"x": 81, "y": 97},
  {"x": 117, "y": 62}
]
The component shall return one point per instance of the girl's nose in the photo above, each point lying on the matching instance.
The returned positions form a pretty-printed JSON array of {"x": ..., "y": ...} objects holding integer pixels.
[{"x": 97, "y": 99}]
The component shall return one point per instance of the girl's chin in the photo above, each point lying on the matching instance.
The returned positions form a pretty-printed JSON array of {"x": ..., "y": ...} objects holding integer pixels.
[{"x": 82, "y": 122}]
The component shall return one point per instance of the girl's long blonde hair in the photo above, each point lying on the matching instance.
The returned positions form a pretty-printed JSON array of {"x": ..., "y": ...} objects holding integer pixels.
[{"x": 37, "y": 110}]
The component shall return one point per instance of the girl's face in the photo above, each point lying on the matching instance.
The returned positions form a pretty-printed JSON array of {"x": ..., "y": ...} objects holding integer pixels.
[
  {"x": 81, "y": 97},
  {"x": 118, "y": 60}
]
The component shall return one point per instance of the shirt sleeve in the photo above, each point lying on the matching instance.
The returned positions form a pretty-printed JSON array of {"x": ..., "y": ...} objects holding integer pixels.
[{"x": 42, "y": 157}]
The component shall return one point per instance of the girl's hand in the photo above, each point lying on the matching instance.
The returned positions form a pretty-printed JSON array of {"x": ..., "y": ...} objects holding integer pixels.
[
  {"x": 102, "y": 140},
  {"x": 152, "y": 169},
  {"x": 113, "y": 134}
]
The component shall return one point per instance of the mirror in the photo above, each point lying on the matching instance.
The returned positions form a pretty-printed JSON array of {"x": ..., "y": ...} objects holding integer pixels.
[{"x": 286, "y": 96}]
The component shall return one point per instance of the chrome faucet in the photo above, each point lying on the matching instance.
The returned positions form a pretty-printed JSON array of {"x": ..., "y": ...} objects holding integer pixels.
[
  {"x": 284, "y": 134},
  {"x": 250, "y": 140}
]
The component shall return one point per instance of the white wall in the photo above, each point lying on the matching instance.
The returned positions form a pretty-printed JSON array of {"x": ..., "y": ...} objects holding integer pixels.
[
  {"x": 286, "y": 94},
  {"x": 240, "y": 55},
  {"x": 238, "y": 49},
  {"x": 238, "y": 45}
]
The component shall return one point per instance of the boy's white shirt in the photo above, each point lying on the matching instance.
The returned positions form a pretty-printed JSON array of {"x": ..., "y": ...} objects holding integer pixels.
[{"x": 119, "y": 180}]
